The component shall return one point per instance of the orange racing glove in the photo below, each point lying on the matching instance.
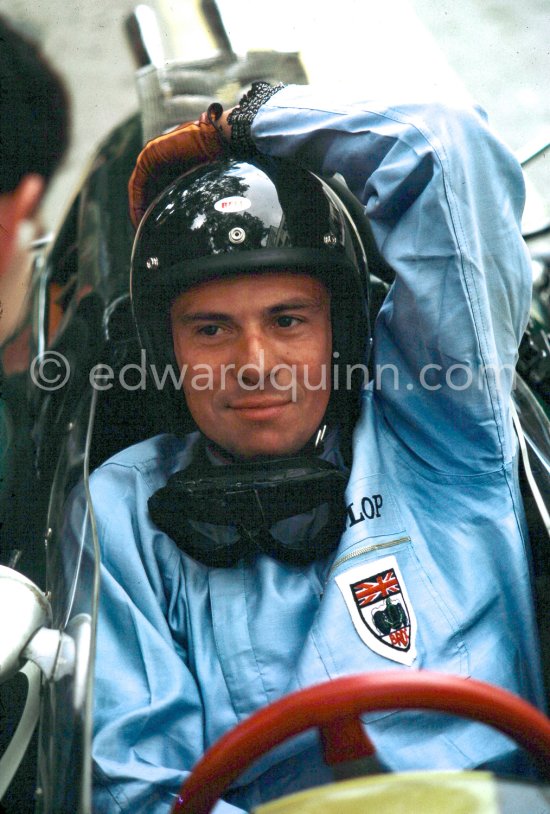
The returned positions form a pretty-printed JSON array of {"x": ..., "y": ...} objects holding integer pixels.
[{"x": 166, "y": 157}]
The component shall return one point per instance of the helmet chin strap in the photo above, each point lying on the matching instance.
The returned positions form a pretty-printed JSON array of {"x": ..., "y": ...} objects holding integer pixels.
[
  {"x": 320, "y": 437},
  {"x": 315, "y": 446},
  {"x": 220, "y": 514}
]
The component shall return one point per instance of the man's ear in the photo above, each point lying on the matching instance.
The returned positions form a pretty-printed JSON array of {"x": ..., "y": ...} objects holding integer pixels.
[{"x": 15, "y": 207}]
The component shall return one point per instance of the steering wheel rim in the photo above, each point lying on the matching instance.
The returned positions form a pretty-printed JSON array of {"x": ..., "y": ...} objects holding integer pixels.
[{"x": 335, "y": 706}]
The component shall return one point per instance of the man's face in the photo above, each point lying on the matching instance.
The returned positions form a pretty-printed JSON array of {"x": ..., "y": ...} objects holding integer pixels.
[
  {"x": 258, "y": 354},
  {"x": 16, "y": 233}
]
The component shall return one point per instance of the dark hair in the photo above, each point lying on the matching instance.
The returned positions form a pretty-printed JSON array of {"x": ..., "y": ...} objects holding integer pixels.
[{"x": 34, "y": 111}]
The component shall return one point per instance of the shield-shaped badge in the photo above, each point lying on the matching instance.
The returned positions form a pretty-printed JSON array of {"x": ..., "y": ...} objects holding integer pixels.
[{"x": 380, "y": 608}]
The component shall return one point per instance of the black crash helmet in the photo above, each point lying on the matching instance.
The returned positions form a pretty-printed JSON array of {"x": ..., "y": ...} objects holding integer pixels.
[{"x": 234, "y": 217}]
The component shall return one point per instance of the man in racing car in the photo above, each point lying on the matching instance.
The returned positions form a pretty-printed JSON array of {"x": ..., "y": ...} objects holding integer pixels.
[{"x": 294, "y": 525}]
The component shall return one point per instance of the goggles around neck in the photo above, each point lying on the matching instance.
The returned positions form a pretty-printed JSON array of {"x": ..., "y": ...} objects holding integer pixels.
[{"x": 237, "y": 505}]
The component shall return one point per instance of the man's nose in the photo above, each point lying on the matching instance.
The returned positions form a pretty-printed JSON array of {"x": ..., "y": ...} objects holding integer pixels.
[{"x": 254, "y": 358}]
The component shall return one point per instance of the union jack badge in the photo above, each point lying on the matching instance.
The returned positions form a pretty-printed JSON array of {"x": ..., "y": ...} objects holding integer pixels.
[{"x": 380, "y": 608}]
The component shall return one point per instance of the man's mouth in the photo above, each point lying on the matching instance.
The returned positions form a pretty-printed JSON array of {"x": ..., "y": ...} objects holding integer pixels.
[{"x": 259, "y": 409}]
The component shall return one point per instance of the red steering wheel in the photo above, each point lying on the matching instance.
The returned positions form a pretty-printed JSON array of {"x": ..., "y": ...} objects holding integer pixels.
[{"x": 335, "y": 706}]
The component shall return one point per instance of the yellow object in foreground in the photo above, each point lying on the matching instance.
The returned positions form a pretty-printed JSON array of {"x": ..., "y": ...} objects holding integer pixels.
[{"x": 407, "y": 793}]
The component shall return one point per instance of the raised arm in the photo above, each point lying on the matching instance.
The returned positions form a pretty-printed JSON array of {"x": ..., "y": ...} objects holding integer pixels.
[{"x": 445, "y": 198}]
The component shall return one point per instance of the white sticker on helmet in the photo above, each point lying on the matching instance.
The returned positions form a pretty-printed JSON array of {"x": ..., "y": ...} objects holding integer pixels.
[{"x": 232, "y": 204}]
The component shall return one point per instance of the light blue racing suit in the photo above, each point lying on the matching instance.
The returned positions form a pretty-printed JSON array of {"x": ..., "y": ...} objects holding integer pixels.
[{"x": 432, "y": 571}]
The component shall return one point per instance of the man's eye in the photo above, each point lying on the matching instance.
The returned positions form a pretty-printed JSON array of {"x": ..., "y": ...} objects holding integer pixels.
[
  {"x": 209, "y": 330},
  {"x": 287, "y": 321}
]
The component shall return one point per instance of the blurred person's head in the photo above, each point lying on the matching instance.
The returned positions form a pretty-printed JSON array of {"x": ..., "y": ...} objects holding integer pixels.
[{"x": 33, "y": 140}]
